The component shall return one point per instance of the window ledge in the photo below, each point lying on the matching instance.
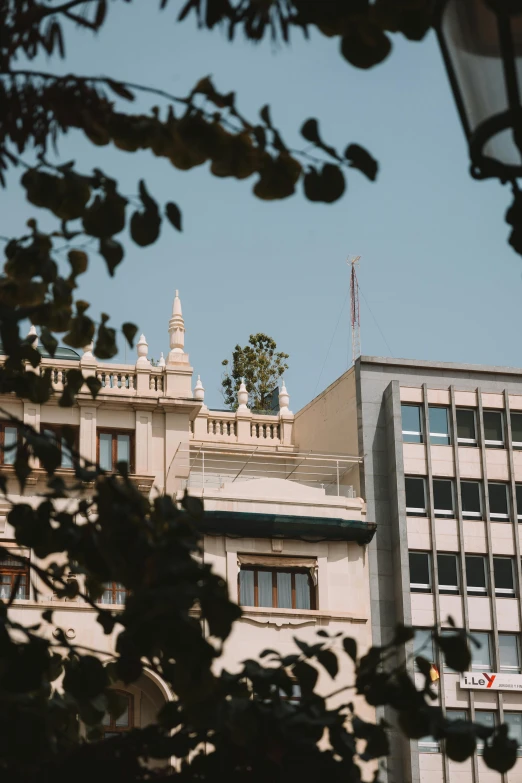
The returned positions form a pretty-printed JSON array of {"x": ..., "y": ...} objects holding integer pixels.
[{"x": 267, "y": 614}]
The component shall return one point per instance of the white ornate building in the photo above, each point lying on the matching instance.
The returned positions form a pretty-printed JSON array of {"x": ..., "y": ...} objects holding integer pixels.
[{"x": 283, "y": 525}]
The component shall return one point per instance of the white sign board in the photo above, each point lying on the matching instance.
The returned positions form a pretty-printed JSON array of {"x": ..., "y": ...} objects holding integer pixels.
[{"x": 492, "y": 681}]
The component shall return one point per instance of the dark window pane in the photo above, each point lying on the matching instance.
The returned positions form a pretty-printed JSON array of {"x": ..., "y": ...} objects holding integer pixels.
[
  {"x": 466, "y": 424},
  {"x": 503, "y": 569},
  {"x": 519, "y": 500},
  {"x": 493, "y": 426},
  {"x": 498, "y": 501},
  {"x": 476, "y": 574},
  {"x": 509, "y": 652},
  {"x": 420, "y": 571},
  {"x": 10, "y": 440},
  {"x": 516, "y": 428},
  {"x": 481, "y": 656},
  {"x": 415, "y": 495},
  {"x": 439, "y": 425},
  {"x": 448, "y": 576},
  {"x": 443, "y": 497},
  {"x": 411, "y": 423},
  {"x": 470, "y": 493}
]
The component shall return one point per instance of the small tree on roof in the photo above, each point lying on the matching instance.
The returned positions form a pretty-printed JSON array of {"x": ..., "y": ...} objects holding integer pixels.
[{"x": 261, "y": 365}]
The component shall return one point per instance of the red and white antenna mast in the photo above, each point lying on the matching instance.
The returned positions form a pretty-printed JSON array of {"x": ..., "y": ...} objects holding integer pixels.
[{"x": 354, "y": 308}]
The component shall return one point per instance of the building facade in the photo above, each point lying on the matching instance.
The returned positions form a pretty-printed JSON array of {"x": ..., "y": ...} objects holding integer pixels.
[
  {"x": 441, "y": 473},
  {"x": 286, "y": 529}
]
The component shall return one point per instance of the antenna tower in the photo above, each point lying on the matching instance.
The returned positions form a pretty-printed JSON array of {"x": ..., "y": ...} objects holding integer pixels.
[{"x": 354, "y": 308}]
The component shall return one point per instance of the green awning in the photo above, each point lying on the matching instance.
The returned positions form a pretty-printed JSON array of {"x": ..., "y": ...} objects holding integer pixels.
[{"x": 240, "y": 524}]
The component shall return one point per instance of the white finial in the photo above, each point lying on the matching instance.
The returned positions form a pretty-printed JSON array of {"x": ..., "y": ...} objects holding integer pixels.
[
  {"x": 32, "y": 333},
  {"x": 87, "y": 356},
  {"x": 176, "y": 331},
  {"x": 284, "y": 399},
  {"x": 161, "y": 362},
  {"x": 142, "y": 348},
  {"x": 242, "y": 396},
  {"x": 199, "y": 390}
]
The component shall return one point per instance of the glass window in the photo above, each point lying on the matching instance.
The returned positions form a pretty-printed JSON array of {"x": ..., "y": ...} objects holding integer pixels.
[
  {"x": 420, "y": 576},
  {"x": 443, "y": 497},
  {"x": 471, "y": 495},
  {"x": 481, "y": 656},
  {"x": 277, "y": 588},
  {"x": 114, "y": 447},
  {"x": 516, "y": 430},
  {"x": 9, "y": 435},
  {"x": 423, "y": 644},
  {"x": 498, "y": 502},
  {"x": 455, "y": 715},
  {"x": 439, "y": 425},
  {"x": 518, "y": 490},
  {"x": 415, "y": 496},
  {"x": 494, "y": 429},
  {"x": 509, "y": 649},
  {"x": 466, "y": 427},
  {"x": 115, "y": 593},
  {"x": 513, "y": 721},
  {"x": 411, "y": 423},
  {"x": 124, "y": 722},
  {"x": 429, "y": 745},
  {"x": 504, "y": 577},
  {"x": 13, "y": 574},
  {"x": 447, "y": 568},
  {"x": 476, "y": 575},
  {"x": 105, "y": 451},
  {"x": 485, "y": 718}
]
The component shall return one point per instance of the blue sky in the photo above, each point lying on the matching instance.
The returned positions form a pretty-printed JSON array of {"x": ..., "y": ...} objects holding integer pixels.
[{"x": 436, "y": 271}]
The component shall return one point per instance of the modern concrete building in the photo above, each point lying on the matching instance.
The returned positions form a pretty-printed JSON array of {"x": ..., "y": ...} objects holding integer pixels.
[
  {"x": 441, "y": 473},
  {"x": 285, "y": 528}
]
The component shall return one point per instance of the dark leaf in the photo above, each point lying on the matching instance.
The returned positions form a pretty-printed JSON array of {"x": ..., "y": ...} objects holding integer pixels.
[
  {"x": 359, "y": 158},
  {"x": 310, "y": 131},
  {"x": 350, "y": 647},
  {"x": 456, "y": 651},
  {"x": 327, "y": 185},
  {"x": 265, "y": 115},
  {"x": 49, "y": 342},
  {"x": 403, "y": 634},
  {"x": 306, "y": 676},
  {"x": 328, "y": 659},
  {"x": 121, "y": 90},
  {"x": 93, "y": 384},
  {"x": 129, "y": 331},
  {"x": 145, "y": 227},
  {"x": 78, "y": 261},
  {"x": 365, "y": 45},
  {"x": 112, "y": 252},
  {"x": 501, "y": 753},
  {"x": 107, "y": 621},
  {"x": 193, "y": 505},
  {"x": 173, "y": 213}
]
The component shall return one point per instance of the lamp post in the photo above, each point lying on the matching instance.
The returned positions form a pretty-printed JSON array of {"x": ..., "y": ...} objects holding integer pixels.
[{"x": 481, "y": 43}]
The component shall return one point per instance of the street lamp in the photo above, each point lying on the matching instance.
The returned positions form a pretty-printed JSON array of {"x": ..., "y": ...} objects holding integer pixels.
[{"x": 481, "y": 43}]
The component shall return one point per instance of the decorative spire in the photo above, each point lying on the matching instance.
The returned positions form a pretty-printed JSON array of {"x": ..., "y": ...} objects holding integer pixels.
[
  {"x": 199, "y": 390},
  {"x": 176, "y": 332},
  {"x": 284, "y": 399},
  {"x": 242, "y": 396},
  {"x": 161, "y": 362},
  {"x": 142, "y": 348},
  {"x": 32, "y": 333}
]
